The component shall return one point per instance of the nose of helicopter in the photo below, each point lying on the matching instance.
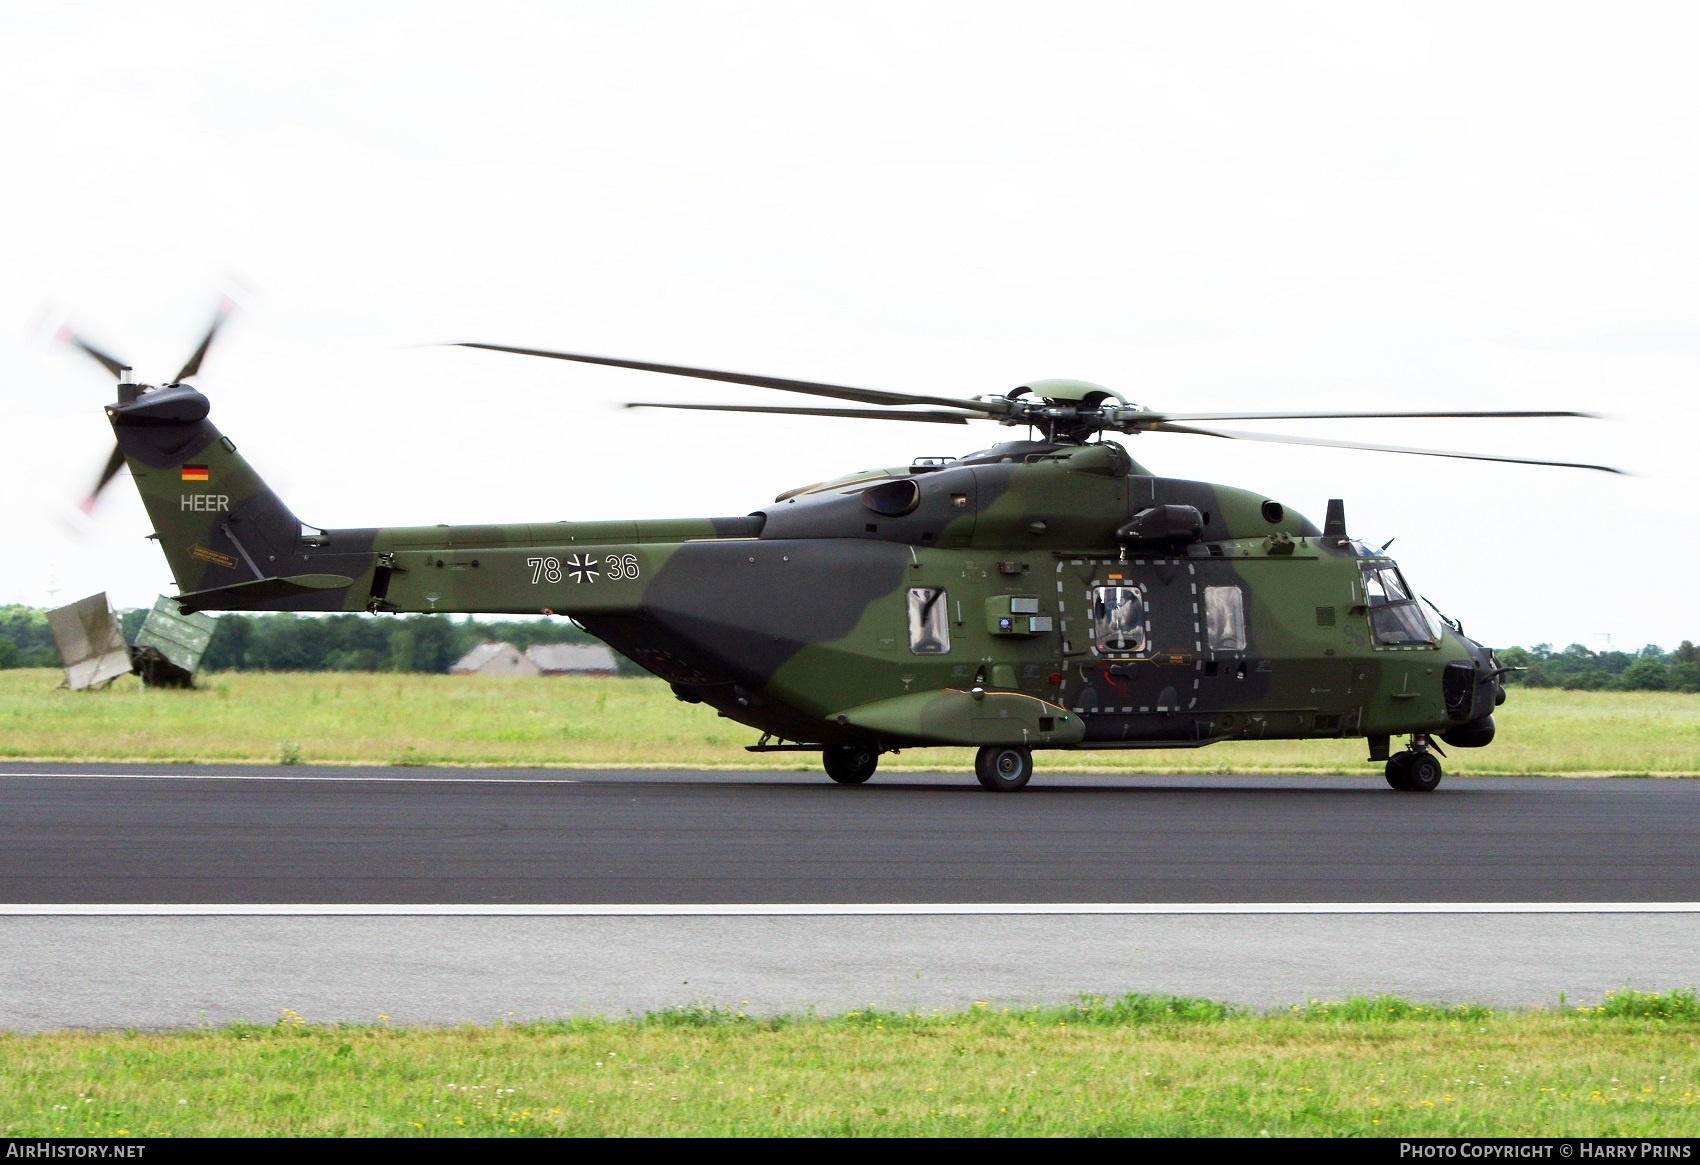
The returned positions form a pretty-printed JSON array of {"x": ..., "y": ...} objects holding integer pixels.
[{"x": 1472, "y": 688}]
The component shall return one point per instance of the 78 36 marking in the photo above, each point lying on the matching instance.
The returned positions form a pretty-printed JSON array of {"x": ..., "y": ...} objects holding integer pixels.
[{"x": 585, "y": 568}]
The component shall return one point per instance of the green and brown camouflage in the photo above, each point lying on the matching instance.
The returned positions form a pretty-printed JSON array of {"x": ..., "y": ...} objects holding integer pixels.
[{"x": 1038, "y": 594}]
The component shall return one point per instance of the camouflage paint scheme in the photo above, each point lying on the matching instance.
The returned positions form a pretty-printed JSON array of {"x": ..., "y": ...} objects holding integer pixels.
[{"x": 795, "y": 621}]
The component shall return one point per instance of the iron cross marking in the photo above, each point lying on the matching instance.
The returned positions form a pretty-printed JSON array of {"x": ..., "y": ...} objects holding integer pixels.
[{"x": 583, "y": 571}]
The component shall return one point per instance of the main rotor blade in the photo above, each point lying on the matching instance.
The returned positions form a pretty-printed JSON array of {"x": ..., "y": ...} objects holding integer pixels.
[
  {"x": 194, "y": 365},
  {"x": 867, "y": 396},
  {"x": 113, "y": 464},
  {"x": 1353, "y": 416},
  {"x": 1237, "y": 435},
  {"x": 941, "y": 418},
  {"x": 116, "y": 367}
]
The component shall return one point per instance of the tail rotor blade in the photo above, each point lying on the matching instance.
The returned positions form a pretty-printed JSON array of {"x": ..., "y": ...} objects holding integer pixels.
[
  {"x": 225, "y": 307},
  {"x": 113, "y": 464},
  {"x": 116, "y": 367}
]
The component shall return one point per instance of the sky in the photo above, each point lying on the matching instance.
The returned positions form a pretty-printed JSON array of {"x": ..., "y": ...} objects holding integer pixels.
[{"x": 1206, "y": 207}]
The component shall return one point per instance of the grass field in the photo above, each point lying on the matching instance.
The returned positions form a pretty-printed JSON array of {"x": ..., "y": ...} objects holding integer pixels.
[
  {"x": 349, "y": 717},
  {"x": 1141, "y": 1065}
]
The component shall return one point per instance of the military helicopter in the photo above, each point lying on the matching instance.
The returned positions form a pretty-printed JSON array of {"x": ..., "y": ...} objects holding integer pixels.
[{"x": 1044, "y": 593}]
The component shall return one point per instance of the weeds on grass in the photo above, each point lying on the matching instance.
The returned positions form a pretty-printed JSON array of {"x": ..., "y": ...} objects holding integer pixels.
[
  {"x": 697, "y": 1016},
  {"x": 1681, "y": 1005},
  {"x": 1388, "y": 1009},
  {"x": 1134, "y": 1010}
]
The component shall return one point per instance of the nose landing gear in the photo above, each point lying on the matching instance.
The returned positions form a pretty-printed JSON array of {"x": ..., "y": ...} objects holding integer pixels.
[{"x": 1416, "y": 770}]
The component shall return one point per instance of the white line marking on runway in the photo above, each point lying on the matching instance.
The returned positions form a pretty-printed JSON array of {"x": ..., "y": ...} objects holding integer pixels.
[
  {"x": 358, "y": 780},
  {"x": 822, "y": 909}
]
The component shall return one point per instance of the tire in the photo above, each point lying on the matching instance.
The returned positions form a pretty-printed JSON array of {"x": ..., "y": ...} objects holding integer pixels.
[
  {"x": 849, "y": 764},
  {"x": 1422, "y": 774},
  {"x": 1399, "y": 771},
  {"x": 1004, "y": 768}
]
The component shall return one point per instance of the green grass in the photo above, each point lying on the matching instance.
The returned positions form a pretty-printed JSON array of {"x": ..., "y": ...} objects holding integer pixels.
[
  {"x": 349, "y": 717},
  {"x": 1141, "y": 1065}
]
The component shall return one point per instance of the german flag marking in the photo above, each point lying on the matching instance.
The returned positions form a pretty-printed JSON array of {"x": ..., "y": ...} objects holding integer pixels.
[{"x": 195, "y": 473}]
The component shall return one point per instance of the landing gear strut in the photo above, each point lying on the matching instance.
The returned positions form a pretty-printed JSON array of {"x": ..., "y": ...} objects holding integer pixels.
[
  {"x": 1004, "y": 768},
  {"x": 849, "y": 764},
  {"x": 1416, "y": 770}
]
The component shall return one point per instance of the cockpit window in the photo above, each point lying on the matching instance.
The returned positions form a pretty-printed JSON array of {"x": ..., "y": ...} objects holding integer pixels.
[
  {"x": 929, "y": 621},
  {"x": 1118, "y": 620},
  {"x": 1394, "y": 613}
]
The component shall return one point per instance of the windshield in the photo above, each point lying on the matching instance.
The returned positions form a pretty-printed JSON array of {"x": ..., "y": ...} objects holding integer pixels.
[{"x": 1395, "y": 615}]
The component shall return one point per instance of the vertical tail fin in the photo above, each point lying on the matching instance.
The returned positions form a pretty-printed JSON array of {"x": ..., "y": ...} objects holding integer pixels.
[{"x": 220, "y": 525}]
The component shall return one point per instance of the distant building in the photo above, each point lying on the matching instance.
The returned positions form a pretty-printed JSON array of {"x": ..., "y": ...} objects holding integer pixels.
[
  {"x": 495, "y": 659},
  {"x": 545, "y": 659},
  {"x": 573, "y": 659}
]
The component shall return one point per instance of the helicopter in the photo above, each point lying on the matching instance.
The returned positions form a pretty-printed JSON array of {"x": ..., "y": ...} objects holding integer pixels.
[{"x": 1044, "y": 593}]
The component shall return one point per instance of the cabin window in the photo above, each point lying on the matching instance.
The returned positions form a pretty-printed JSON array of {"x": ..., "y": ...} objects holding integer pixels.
[
  {"x": 1224, "y": 617},
  {"x": 929, "y": 621},
  {"x": 1118, "y": 620},
  {"x": 1394, "y": 613}
]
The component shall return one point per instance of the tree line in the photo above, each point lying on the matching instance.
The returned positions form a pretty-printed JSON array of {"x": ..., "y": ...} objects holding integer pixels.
[
  {"x": 290, "y": 642},
  {"x": 1649, "y": 670},
  {"x": 431, "y": 643}
]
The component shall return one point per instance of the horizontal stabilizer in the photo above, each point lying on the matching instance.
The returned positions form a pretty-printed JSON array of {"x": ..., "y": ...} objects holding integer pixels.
[{"x": 241, "y": 596}]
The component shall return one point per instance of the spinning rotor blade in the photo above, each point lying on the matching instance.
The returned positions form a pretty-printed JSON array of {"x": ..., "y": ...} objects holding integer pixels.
[
  {"x": 1237, "y": 435},
  {"x": 67, "y": 336},
  {"x": 225, "y": 307},
  {"x": 113, "y": 464},
  {"x": 867, "y": 396},
  {"x": 1353, "y": 416},
  {"x": 941, "y": 418}
]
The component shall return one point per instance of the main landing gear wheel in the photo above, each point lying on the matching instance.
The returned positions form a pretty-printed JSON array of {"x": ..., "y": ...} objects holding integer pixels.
[
  {"x": 1004, "y": 768},
  {"x": 1422, "y": 774},
  {"x": 849, "y": 764},
  {"x": 1414, "y": 772}
]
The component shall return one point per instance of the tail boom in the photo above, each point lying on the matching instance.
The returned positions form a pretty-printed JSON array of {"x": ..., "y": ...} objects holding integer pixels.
[{"x": 233, "y": 545}]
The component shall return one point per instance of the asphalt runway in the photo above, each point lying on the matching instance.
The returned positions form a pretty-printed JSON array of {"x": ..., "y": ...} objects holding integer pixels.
[
  {"x": 235, "y": 834},
  {"x": 172, "y": 896}
]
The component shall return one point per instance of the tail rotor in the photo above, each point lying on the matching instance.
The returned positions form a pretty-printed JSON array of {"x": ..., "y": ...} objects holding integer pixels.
[{"x": 128, "y": 390}]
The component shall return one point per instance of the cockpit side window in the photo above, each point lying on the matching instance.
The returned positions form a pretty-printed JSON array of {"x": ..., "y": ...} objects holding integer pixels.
[
  {"x": 1118, "y": 620},
  {"x": 1224, "y": 618},
  {"x": 929, "y": 621},
  {"x": 1394, "y": 614}
]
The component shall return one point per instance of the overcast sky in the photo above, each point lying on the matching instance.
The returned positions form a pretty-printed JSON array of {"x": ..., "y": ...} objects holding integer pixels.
[{"x": 1203, "y": 206}]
